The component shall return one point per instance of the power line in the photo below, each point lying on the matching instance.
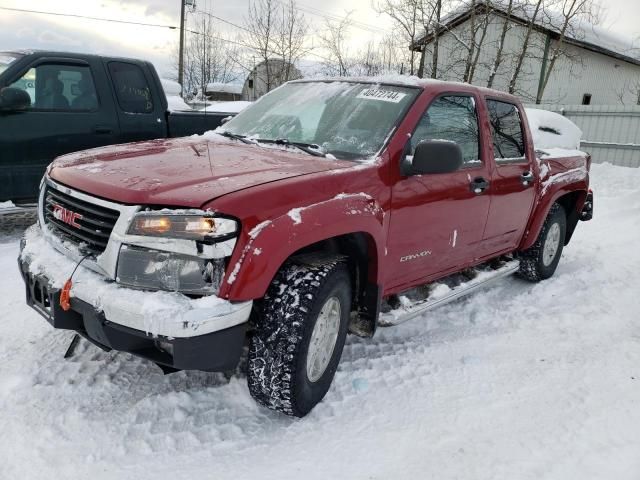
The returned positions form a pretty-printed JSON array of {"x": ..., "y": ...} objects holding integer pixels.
[
  {"x": 172, "y": 27},
  {"x": 99, "y": 19},
  {"x": 244, "y": 45},
  {"x": 331, "y": 16}
]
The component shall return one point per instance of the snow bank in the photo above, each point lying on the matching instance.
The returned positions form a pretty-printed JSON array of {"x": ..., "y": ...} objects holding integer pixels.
[
  {"x": 170, "y": 87},
  {"x": 177, "y": 104},
  {"x": 519, "y": 381},
  {"x": 173, "y": 90},
  {"x": 7, "y": 204}
]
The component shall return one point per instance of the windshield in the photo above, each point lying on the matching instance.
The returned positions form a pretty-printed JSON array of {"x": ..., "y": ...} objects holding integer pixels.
[
  {"x": 347, "y": 120},
  {"x": 6, "y": 59}
]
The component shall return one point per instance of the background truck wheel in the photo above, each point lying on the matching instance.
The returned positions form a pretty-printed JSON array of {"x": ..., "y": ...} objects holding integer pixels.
[
  {"x": 540, "y": 261},
  {"x": 295, "y": 350}
]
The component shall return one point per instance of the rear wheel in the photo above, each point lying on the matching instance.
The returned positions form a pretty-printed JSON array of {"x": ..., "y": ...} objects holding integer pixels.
[
  {"x": 296, "y": 348},
  {"x": 540, "y": 261}
]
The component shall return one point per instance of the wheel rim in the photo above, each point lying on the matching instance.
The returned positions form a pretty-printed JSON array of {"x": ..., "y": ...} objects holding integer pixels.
[
  {"x": 551, "y": 245},
  {"x": 323, "y": 339}
]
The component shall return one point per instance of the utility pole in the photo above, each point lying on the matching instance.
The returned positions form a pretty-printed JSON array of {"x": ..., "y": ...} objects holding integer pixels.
[{"x": 181, "y": 53}]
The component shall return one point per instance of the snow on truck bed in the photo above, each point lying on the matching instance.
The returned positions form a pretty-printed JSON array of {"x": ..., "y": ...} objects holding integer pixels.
[
  {"x": 553, "y": 134},
  {"x": 520, "y": 381}
]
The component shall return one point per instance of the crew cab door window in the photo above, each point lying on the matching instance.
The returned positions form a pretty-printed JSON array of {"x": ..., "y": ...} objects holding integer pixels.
[
  {"x": 454, "y": 118},
  {"x": 506, "y": 132},
  {"x": 132, "y": 89},
  {"x": 56, "y": 87}
]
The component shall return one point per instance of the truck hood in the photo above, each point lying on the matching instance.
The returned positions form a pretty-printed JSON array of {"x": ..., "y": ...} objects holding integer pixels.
[{"x": 187, "y": 172}]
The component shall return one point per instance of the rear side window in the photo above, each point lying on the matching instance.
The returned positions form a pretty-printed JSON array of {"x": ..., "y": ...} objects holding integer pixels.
[
  {"x": 454, "y": 118},
  {"x": 507, "y": 132},
  {"x": 132, "y": 88}
]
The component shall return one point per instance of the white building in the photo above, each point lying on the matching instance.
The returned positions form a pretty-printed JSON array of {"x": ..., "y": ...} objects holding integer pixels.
[
  {"x": 223, "y": 92},
  {"x": 267, "y": 76},
  {"x": 596, "y": 67}
]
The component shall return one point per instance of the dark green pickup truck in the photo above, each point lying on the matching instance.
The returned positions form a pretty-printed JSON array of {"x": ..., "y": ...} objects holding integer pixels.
[{"x": 52, "y": 103}]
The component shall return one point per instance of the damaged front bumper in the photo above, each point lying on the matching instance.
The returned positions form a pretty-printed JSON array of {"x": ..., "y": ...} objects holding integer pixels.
[{"x": 168, "y": 328}]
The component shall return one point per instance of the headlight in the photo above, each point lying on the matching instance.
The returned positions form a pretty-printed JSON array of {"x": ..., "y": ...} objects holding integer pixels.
[
  {"x": 191, "y": 227},
  {"x": 154, "y": 270}
]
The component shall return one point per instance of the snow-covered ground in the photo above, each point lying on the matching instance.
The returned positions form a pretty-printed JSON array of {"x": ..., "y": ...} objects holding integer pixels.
[{"x": 519, "y": 382}]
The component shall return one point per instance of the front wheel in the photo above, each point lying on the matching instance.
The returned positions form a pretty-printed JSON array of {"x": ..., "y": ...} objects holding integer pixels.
[
  {"x": 540, "y": 261},
  {"x": 295, "y": 350}
]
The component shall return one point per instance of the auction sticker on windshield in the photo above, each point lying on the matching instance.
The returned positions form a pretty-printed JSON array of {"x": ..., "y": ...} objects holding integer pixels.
[{"x": 382, "y": 95}]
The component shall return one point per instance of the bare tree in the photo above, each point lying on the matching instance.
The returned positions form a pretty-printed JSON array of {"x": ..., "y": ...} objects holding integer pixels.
[
  {"x": 292, "y": 29},
  {"x": 477, "y": 43},
  {"x": 275, "y": 30},
  {"x": 499, "y": 53},
  {"x": 572, "y": 10},
  {"x": 208, "y": 57},
  {"x": 406, "y": 15},
  {"x": 261, "y": 33},
  {"x": 436, "y": 19},
  {"x": 517, "y": 68},
  {"x": 334, "y": 40}
]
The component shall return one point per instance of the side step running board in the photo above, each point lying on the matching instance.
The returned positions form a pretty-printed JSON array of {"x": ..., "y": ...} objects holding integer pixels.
[{"x": 481, "y": 280}]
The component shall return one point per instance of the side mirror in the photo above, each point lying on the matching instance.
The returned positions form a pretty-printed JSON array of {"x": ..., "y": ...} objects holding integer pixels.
[
  {"x": 14, "y": 99},
  {"x": 433, "y": 156}
]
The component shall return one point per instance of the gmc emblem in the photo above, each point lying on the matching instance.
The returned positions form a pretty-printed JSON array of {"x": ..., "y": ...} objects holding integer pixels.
[{"x": 66, "y": 216}]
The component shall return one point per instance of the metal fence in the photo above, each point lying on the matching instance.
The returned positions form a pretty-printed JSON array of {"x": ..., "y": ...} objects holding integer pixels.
[{"x": 610, "y": 133}]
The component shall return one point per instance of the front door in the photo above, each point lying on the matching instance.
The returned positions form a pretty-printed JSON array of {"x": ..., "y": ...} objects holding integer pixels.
[
  {"x": 437, "y": 221},
  {"x": 68, "y": 113},
  {"x": 512, "y": 185}
]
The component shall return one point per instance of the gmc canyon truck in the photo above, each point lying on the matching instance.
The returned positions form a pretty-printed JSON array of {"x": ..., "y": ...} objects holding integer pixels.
[
  {"x": 53, "y": 103},
  {"x": 326, "y": 208}
]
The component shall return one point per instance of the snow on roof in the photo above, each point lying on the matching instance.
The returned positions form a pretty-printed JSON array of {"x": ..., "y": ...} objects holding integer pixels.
[
  {"x": 579, "y": 31},
  {"x": 224, "y": 88},
  {"x": 226, "y": 107},
  {"x": 170, "y": 87}
]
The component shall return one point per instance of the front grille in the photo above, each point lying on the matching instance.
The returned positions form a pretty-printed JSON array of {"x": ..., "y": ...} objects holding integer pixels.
[{"x": 89, "y": 228}]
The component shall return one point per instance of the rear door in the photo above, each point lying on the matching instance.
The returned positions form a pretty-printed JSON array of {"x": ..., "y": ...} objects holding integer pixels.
[
  {"x": 141, "y": 112},
  {"x": 71, "y": 109},
  {"x": 437, "y": 221},
  {"x": 512, "y": 185}
]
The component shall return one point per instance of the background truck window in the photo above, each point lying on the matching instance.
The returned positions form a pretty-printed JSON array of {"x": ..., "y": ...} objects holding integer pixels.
[
  {"x": 453, "y": 118},
  {"x": 132, "y": 88},
  {"x": 507, "y": 133},
  {"x": 59, "y": 88}
]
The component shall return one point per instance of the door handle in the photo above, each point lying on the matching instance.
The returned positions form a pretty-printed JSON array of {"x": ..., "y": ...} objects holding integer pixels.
[
  {"x": 527, "y": 178},
  {"x": 102, "y": 130},
  {"x": 479, "y": 185}
]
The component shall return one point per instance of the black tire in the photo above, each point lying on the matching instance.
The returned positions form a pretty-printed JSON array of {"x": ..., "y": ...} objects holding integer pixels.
[
  {"x": 277, "y": 367},
  {"x": 532, "y": 262}
]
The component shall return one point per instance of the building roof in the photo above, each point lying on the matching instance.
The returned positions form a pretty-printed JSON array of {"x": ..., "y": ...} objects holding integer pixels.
[
  {"x": 580, "y": 32},
  {"x": 224, "y": 88}
]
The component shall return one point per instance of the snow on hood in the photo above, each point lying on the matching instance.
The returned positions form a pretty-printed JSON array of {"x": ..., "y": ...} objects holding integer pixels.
[{"x": 184, "y": 172}]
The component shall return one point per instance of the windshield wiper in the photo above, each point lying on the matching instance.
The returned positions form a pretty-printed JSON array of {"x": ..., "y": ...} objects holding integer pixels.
[
  {"x": 310, "y": 148},
  {"x": 236, "y": 136}
]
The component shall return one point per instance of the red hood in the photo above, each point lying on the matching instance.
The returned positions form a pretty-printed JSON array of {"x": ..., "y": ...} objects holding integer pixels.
[{"x": 187, "y": 172}]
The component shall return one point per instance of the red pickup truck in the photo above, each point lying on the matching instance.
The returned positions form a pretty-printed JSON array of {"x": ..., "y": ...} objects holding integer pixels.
[{"x": 326, "y": 208}]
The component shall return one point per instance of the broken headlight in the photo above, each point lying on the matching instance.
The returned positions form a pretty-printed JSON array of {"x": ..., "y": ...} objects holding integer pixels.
[{"x": 147, "y": 269}]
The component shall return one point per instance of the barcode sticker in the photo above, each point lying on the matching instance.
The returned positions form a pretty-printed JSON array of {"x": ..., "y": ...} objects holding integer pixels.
[{"x": 382, "y": 95}]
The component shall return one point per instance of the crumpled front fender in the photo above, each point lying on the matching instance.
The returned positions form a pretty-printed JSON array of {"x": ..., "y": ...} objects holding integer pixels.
[{"x": 263, "y": 248}]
